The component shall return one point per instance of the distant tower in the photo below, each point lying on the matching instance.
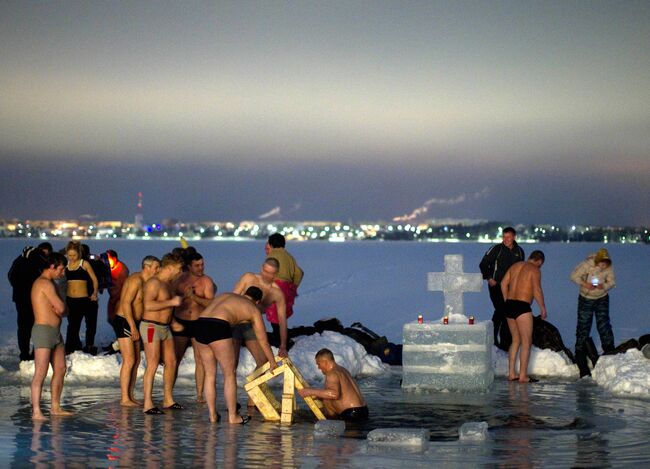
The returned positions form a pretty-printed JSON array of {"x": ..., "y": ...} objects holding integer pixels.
[{"x": 138, "y": 224}]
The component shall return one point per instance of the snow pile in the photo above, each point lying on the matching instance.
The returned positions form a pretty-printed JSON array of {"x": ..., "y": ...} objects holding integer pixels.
[
  {"x": 625, "y": 374},
  {"x": 543, "y": 362}
]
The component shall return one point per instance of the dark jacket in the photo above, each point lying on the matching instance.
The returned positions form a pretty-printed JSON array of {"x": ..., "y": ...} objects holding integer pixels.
[
  {"x": 498, "y": 259},
  {"x": 24, "y": 271}
]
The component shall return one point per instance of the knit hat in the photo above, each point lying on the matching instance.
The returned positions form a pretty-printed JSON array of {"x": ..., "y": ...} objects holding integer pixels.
[{"x": 602, "y": 255}]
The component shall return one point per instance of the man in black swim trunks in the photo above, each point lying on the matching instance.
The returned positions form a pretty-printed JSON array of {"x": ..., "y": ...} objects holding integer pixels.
[
  {"x": 213, "y": 334},
  {"x": 521, "y": 284},
  {"x": 341, "y": 395}
]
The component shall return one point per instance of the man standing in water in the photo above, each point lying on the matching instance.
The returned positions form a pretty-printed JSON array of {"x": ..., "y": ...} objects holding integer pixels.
[
  {"x": 197, "y": 290},
  {"x": 126, "y": 323},
  {"x": 49, "y": 308},
  {"x": 155, "y": 330},
  {"x": 494, "y": 265},
  {"x": 341, "y": 396},
  {"x": 521, "y": 284},
  {"x": 214, "y": 337}
]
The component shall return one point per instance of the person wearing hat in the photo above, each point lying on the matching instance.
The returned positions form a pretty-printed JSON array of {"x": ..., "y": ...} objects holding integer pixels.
[{"x": 595, "y": 277}]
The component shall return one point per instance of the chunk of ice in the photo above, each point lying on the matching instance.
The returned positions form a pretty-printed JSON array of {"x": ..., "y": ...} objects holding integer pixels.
[
  {"x": 473, "y": 431},
  {"x": 329, "y": 428},
  {"x": 454, "y": 357},
  {"x": 399, "y": 436}
]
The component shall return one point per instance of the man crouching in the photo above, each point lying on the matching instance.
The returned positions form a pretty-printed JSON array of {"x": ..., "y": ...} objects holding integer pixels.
[
  {"x": 49, "y": 348},
  {"x": 341, "y": 396}
]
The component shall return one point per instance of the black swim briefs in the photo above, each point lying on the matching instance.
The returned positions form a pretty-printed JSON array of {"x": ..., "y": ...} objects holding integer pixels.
[
  {"x": 515, "y": 308},
  {"x": 121, "y": 327},
  {"x": 208, "y": 330},
  {"x": 188, "y": 328},
  {"x": 355, "y": 414}
]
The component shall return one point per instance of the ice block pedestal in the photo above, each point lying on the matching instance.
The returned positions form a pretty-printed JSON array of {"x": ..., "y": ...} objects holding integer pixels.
[{"x": 454, "y": 357}]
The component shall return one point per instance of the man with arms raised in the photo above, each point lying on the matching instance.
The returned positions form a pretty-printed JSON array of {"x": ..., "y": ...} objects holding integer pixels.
[
  {"x": 288, "y": 278},
  {"x": 126, "y": 323},
  {"x": 49, "y": 348},
  {"x": 341, "y": 396},
  {"x": 155, "y": 330},
  {"x": 521, "y": 284},
  {"x": 214, "y": 341},
  {"x": 197, "y": 290},
  {"x": 272, "y": 295}
]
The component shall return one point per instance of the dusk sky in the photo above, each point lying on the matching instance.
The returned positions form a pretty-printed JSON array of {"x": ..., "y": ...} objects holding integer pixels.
[{"x": 523, "y": 111}]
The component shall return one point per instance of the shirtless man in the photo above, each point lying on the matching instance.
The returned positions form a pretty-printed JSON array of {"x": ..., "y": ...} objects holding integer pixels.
[
  {"x": 341, "y": 396},
  {"x": 521, "y": 284},
  {"x": 126, "y": 323},
  {"x": 272, "y": 295},
  {"x": 197, "y": 290},
  {"x": 49, "y": 348},
  {"x": 215, "y": 344},
  {"x": 155, "y": 330}
]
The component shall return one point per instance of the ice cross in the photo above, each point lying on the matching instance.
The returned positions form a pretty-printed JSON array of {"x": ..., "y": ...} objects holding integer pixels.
[{"x": 453, "y": 282}]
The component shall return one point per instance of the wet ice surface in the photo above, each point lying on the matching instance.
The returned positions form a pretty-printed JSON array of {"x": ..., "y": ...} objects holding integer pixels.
[{"x": 551, "y": 423}]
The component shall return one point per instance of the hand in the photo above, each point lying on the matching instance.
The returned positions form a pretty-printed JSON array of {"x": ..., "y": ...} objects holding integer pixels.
[
  {"x": 543, "y": 314},
  {"x": 135, "y": 334},
  {"x": 492, "y": 282},
  {"x": 93, "y": 297},
  {"x": 176, "y": 326},
  {"x": 189, "y": 292},
  {"x": 303, "y": 392},
  {"x": 272, "y": 366},
  {"x": 176, "y": 301},
  {"x": 282, "y": 352}
]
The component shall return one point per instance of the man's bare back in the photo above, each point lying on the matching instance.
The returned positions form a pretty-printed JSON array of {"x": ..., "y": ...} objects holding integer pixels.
[
  {"x": 233, "y": 308},
  {"x": 350, "y": 396},
  {"x": 523, "y": 277},
  {"x": 272, "y": 294}
]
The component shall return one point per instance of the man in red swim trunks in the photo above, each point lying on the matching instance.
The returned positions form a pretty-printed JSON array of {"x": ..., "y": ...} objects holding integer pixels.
[{"x": 521, "y": 284}]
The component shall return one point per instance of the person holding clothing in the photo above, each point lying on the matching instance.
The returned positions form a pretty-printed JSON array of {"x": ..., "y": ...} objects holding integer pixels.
[{"x": 79, "y": 297}]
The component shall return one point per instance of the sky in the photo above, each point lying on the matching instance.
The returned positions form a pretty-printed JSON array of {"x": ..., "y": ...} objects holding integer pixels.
[{"x": 522, "y": 111}]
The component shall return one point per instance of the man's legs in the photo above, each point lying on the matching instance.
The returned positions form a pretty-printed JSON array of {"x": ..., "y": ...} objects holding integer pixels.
[
  {"x": 58, "y": 367},
  {"x": 502, "y": 335},
  {"x": 603, "y": 325},
  {"x": 525, "y": 329},
  {"x": 169, "y": 373},
  {"x": 25, "y": 322},
  {"x": 224, "y": 350},
  {"x": 180, "y": 346},
  {"x": 152, "y": 354},
  {"x": 127, "y": 349},
  {"x": 134, "y": 371},
  {"x": 199, "y": 372},
  {"x": 514, "y": 348},
  {"x": 41, "y": 364},
  {"x": 210, "y": 381}
]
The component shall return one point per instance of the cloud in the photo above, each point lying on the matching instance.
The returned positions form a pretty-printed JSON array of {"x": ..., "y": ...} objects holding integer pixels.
[
  {"x": 459, "y": 199},
  {"x": 274, "y": 211}
]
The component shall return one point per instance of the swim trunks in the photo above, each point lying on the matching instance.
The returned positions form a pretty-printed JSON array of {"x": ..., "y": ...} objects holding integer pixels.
[
  {"x": 210, "y": 330},
  {"x": 188, "y": 328},
  {"x": 45, "y": 336},
  {"x": 151, "y": 331},
  {"x": 355, "y": 414},
  {"x": 515, "y": 308},
  {"x": 121, "y": 327},
  {"x": 243, "y": 332}
]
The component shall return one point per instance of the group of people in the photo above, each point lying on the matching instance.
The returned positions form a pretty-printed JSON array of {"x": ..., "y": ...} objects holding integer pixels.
[
  {"x": 514, "y": 282},
  {"x": 168, "y": 306}
]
